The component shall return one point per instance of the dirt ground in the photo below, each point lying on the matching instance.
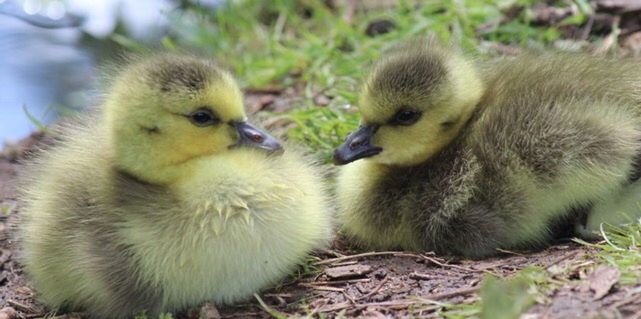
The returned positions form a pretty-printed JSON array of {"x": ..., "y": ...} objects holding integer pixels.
[{"x": 364, "y": 284}]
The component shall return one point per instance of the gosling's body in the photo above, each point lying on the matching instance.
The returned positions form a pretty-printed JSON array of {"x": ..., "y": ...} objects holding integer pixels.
[
  {"x": 548, "y": 138},
  {"x": 111, "y": 241}
]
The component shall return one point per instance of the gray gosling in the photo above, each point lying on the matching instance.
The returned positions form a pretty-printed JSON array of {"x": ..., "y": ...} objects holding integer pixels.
[{"x": 463, "y": 157}]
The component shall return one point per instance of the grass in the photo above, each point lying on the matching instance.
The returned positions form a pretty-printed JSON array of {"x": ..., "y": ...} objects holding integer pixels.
[
  {"x": 309, "y": 42},
  {"x": 621, "y": 249},
  {"x": 311, "y": 46}
]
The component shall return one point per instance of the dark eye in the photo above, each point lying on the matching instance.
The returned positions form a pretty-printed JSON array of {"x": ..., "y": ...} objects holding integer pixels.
[
  {"x": 406, "y": 117},
  {"x": 202, "y": 117}
]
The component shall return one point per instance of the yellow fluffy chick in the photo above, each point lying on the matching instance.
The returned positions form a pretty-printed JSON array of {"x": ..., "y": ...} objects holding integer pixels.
[
  {"x": 166, "y": 198},
  {"x": 463, "y": 157}
]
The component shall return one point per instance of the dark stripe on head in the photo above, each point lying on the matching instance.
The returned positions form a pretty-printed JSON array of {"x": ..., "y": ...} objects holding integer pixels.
[
  {"x": 408, "y": 74},
  {"x": 173, "y": 73}
]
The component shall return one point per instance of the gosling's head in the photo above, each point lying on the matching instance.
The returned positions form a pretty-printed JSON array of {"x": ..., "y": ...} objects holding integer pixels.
[
  {"x": 167, "y": 111},
  {"x": 415, "y": 101}
]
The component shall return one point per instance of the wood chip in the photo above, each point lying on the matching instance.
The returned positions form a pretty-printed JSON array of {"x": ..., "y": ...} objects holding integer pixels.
[
  {"x": 209, "y": 311},
  {"x": 418, "y": 276},
  {"x": 350, "y": 271},
  {"x": 602, "y": 279},
  {"x": 8, "y": 313}
]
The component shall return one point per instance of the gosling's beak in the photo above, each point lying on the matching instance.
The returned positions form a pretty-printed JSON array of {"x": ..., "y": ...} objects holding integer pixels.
[
  {"x": 357, "y": 145},
  {"x": 250, "y": 136}
]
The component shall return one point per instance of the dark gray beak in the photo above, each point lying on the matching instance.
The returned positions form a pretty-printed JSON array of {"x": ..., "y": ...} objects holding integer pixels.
[
  {"x": 250, "y": 136},
  {"x": 357, "y": 145}
]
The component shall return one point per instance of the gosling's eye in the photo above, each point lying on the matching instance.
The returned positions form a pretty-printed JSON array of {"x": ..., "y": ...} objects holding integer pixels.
[
  {"x": 406, "y": 117},
  {"x": 202, "y": 117}
]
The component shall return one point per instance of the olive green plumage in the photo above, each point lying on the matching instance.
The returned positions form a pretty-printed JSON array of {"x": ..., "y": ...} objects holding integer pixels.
[
  {"x": 465, "y": 156},
  {"x": 166, "y": 197}
]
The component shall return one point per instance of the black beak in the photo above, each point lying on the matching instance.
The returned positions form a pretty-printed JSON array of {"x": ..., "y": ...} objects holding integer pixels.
[
  {"x": 357, "y": 145},
  {"x": 253, "y": 137}
]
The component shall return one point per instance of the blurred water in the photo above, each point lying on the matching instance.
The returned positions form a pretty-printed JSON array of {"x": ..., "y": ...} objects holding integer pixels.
[
  {"x": 39, "y": 69},
  {"x": 45, "y": 69}
]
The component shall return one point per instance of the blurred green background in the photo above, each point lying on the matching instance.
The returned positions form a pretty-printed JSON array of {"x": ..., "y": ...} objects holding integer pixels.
[{"x": 300, "y": 62}]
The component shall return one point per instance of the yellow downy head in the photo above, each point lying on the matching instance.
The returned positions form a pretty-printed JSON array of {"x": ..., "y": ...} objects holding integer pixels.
[
  {"x": 414, "y": 102},
  {"x": 164, "y": 112}
]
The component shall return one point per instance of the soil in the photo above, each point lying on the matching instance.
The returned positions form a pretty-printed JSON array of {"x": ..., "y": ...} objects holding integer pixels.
[{"x": 355, "y": 283}]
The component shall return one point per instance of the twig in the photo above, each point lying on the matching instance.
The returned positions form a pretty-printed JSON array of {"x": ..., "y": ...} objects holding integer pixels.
[
  {"x": 375, "y": 290},
  {"x": 338, "y": 282},
  {"x": 345, "y": 263},
  {"x": 344, "y": 258},
  {"x": 326, "y": 288},
  {"x": 274, "y": 313},
  {"x": 332, "y": 252},
  {"x": 281, "y": 295},
  {"x": 585, "y": 32},
  {"x": 415, "y": 275},
  {"x": 350, "y": 297},
  {"x": 445, "y": 265},
  {"x": 334, "y": 307},
  {"x": 403, "y": 302},
  {"x": 401, "y": 254},
  {"x": 562, "y": 258},
  {"x": 20, "y": 306},
  {"x": 505, "y": 251},
  {"x": 610, "y": 39},
  {"x": 454, "y": 293}
]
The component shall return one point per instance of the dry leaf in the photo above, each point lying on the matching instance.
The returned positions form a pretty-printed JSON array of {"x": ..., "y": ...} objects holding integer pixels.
[{"x": 602, "y": 279}]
